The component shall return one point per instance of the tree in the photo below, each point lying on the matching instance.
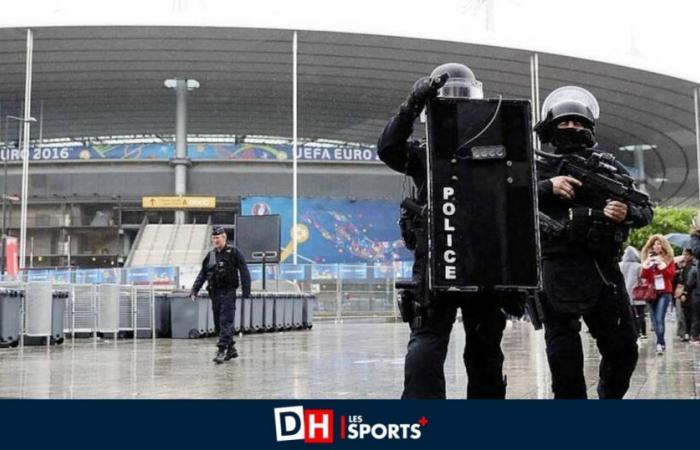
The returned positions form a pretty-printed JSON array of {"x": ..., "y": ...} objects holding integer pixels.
[{"x": 666, "y": 220}]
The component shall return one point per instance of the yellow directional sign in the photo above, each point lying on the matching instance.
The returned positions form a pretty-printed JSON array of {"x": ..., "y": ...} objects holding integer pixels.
[{"x": 179, "y": 202}]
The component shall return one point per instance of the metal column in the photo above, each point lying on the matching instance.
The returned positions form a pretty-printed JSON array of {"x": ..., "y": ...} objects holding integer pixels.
[
  {"x": 639, "y": 165},
  {"x": 25, "y": 151},
  {"x": 696, "y": 94},
  {"x": 180, "y": 145},
  {"x": 181, "y": 161},
  {"x": 535, "y": 95},
  {"x": 294, "y": 149}
]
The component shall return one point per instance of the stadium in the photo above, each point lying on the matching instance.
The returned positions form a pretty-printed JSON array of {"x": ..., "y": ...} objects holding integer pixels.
[{"x": 263, "y": 110}]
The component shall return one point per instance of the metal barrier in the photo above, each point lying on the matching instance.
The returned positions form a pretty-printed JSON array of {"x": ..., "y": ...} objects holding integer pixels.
[
  {"x": 346, "y": 290},
  {"x": 144, "y": 310},
  {"x": 84, "y": 309},
  {"x": 341, "y": 291},
  {"x": 43, "y": 312},
  {"x": 120, "y": 310}
]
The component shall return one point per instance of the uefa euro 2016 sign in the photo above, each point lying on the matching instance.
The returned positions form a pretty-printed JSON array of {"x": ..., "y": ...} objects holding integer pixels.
[
  {"x": 311, "y": 152},
  {"x": 483, "y": 229}
]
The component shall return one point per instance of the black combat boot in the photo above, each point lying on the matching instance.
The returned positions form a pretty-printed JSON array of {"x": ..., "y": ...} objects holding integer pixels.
[
  {"x": 231, "y": 352},
  {"x": 220, "y": 355}
]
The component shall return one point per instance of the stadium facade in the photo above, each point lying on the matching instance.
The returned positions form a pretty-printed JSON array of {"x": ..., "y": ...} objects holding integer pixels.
[{"x": 105, "y": 131}]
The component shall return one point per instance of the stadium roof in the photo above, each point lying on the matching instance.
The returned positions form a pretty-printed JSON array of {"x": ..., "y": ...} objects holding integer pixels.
[{"x": 107, "y": 80}]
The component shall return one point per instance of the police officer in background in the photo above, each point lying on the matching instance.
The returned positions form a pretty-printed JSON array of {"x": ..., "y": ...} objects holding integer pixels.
[
  {"x": 580, "y": 267},
  {"x": 220, "y": 269},
  {"x": 431, "y": 315}
]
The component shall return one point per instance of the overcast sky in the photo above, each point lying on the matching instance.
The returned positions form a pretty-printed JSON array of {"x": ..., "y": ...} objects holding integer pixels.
[{"x": 661, "y": 36}]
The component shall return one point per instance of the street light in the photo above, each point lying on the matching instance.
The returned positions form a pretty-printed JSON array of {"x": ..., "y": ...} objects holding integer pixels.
[{"x": 5, "y": 197}]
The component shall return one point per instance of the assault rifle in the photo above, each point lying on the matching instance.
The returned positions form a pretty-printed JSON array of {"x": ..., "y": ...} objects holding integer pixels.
[{"x": 599, "y": 176}]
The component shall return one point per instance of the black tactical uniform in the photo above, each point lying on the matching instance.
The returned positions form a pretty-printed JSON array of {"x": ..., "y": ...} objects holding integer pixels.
[
  {"x": 694, "y": 281},
  {"x": 220, "y": 269},
  {"x": 581, "y": 275},
  {"x": 681, "y": 277},
  {"x": 692, "y": 293},
  {"x": 483, "y": 319}
]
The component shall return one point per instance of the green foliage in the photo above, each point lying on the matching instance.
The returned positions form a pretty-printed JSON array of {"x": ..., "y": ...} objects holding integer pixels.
[{"x": 666, "y": 220}]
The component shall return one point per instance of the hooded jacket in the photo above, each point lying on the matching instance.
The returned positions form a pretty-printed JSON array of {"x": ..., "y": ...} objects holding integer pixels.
[{"x": 631, "y": 267}]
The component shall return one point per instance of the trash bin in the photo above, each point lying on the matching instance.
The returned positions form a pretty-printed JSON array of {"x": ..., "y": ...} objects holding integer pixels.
[
  {"x": 10, "y": 308},
  {"x": 238, "y": 316},
  {"x": 45, "y": 314},
  {"x": 211, "y": 325},
  {"x": 162, "y": 315},
  {"x": 278, "y": 315},
  {"x": 58, "y": 315},
  {"x": 288, "y": 303},
  {"x": 245, "y": 319},
  {"x": 257, "y": 304},
  {"x": 308, "y": 313},
  {"x": 108, "y": 306},
  {"x": 297, "y": 310},
  {"x": 37, "y": 315},
  {"x": 188, "y": 319},
  {"x": 268, "y": 312}
]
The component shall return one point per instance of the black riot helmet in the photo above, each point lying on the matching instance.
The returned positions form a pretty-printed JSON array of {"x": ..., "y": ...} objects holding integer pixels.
[
  {"x": 461, "y": 82},
  {"x": 568, "y": 103}
]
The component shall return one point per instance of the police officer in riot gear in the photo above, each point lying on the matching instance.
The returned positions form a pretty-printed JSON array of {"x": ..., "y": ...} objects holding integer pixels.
[
  {"x": 431, "y": 315},
  {"x": 581, "y": 275},
  {"x": 220, "y": 269}
]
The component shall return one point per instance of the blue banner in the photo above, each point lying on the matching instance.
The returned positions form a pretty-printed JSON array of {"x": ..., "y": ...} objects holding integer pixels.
[
  {"x": 165, "y": 276},
  {"x": 336, "y": 231},
  {"x": 354, "y": 424},
  {"x": 198, "y": 152},
  {"x": 61, "y": 276},
  {"x": 292, "y": 272},
  {"x": 38, "y": 275},
  {"x": 380, "y": 271},
  {"x": 88, "y": 276},
  {"x": 353, "y": 272},
  {"x": 324, "y": 271},
  {"x": 256, "y": 272},
  {"x": 110, "y": 276}
]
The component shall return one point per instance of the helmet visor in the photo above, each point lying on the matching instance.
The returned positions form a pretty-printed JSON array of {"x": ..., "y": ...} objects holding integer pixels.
[
  {"x": 461, "y": 88},
  {"x": 571, "y": 94}
]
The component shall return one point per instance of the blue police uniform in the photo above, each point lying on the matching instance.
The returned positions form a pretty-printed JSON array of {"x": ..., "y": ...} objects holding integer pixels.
[{"x": 221, "y": 269}]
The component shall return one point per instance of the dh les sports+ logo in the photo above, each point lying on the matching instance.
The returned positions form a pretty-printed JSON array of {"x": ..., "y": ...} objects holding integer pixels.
[{"x": 318, "y": 426}]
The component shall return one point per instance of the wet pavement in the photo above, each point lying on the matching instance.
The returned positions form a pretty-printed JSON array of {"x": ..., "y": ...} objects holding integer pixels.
[{"x": 362, "y": 360}]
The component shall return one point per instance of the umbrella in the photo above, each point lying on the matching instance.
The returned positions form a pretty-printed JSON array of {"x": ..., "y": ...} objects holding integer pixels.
[{"x": 680, "y": 240}]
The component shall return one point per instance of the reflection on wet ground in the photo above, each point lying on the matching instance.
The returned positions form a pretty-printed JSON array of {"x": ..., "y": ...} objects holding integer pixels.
[{"x": 347, "y": 360}]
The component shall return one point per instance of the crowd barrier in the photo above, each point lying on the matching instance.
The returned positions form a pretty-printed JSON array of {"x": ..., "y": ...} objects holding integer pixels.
[{"x": 42, "y": 313}]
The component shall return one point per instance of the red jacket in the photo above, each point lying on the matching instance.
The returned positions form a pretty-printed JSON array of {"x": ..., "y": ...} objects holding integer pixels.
[{"x": 650, "y": 273}]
